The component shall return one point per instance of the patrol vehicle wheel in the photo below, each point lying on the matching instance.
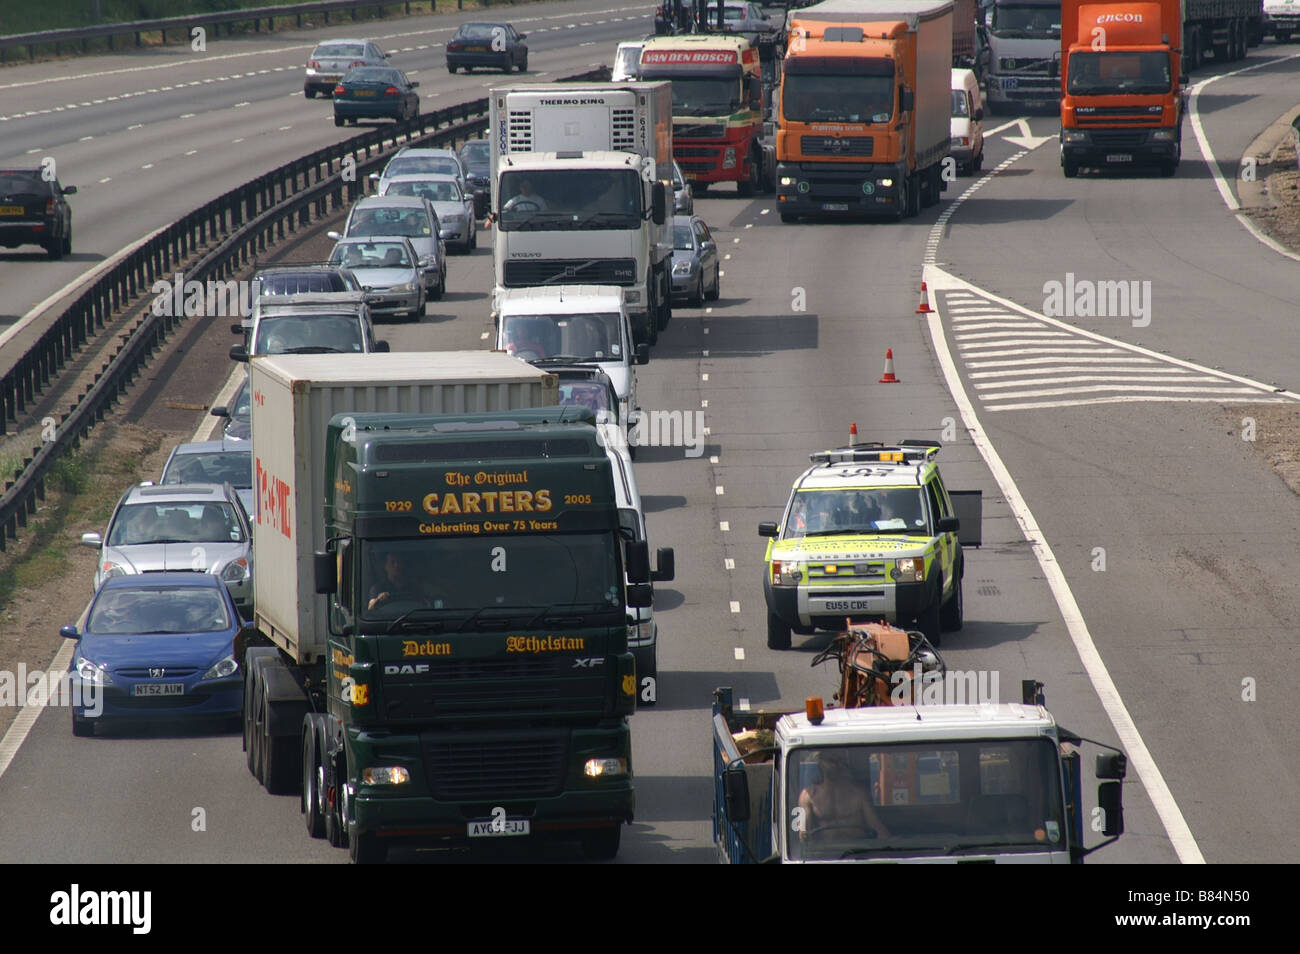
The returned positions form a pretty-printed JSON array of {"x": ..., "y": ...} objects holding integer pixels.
[
  {"x": 953, "y": 611},
  {"x": 778, "y": 634},
  {"x": 928, "y": 622}
]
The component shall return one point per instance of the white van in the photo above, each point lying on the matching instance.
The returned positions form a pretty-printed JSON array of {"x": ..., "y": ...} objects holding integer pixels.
[
  {"x": 967, "y": 124},
  {"x": 643, "y": 631}
]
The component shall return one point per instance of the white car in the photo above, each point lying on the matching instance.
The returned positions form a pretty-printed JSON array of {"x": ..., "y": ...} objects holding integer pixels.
[
  {"x": 455, "y": 209},
  {"x": 966, "y": 127}
]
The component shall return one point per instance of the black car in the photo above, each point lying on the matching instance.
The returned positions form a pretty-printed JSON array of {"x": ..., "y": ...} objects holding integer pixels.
[
  {"x": 34, "y": 210},
  {"x": 375, "y": 92},
  {"x": 476, "y": 157},
  {"x": 494, "y": 45}
]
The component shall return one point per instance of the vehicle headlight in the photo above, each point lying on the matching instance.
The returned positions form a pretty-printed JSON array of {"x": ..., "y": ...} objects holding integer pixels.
[
  {"x": 885, "y": 183},
  {"x": 385, "y": 775},
  {"x": 108, "y": 569},
  {"x": 236, "y": 571},
  {"x": 681, "y": 268},
  {"x": 1163, "y": 135},
  {"x": 604, "y": 768},
  {"x": 909, "y": 570},
  {"x": 93, "y": 672},
  {"x": 729, "y": 158},
  {"x": 1075, "y": 135},
  {"x": 226, "y": 667},
  {"x": 640, "y": 632},
  {"x": 404, "y": 288},
  {"x": 787, "y": 180},
  {"x": 632, "y": 297},
  {"x": 786, "y": 572}
]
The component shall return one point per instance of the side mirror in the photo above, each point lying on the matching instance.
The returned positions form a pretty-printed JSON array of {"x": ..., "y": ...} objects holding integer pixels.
[
  {"x": 638, "y": 562},
  {"x": 658, "y": 204},
  {"x": 1054, "y": 69},
  {"x": 415, "y": 84},
  {"x": 238, "y": 353},
  {"x": 381, "y": 347},
  {"x": 1110, "y": 798},
  {"x": 325, "y": 570},
  {"x": 335, "y": 235},
  {"x": 643, "y": 353},
  {"x": 93, "y": 540},
  {"x": 735, "y": 792},
  {"x": 1184, "y": 80},
  {"x": 767, "y": 528},
  {"x": 1112, "y": 765},
  {"x": 907, "y": 100},
  {"x": 640, "y": 595},
  {"x": 523, "y": 36},
  {"x": 979, "y": 114},
  {"x": 667, "y": 566},
  {"x": 237, "y": 328},
  {"x": 948, "y": 525},
  {"x": 69, "y": 632},
  {"x": 69, "y": 190},
  {"x": 220, "y": 411}
]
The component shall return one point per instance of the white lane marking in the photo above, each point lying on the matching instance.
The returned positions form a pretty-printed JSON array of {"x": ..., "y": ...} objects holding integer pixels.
[
  {"x": 735, "y": 606},
  {"x": 1180, "y": 836},
  {"x": 28, "y": 714},
  {"x": 724, "y": 526},
  {"x": 719, "y": 490},
  {"x": 713, "y": 459},
  {"x": 728, "y": 564},
  {"x": 740, "y": 652}
]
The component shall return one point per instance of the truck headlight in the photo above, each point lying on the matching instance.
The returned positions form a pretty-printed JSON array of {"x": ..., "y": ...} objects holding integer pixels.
[
  {"x": 604, "y": 768},
  {"x": 1163, "y": 135},
  {"x": 226, "y": 667},
  {"x": 885, "y": 183},
  {"x": 1074, "y": 135},
  {"x": 786, "y": 572},
  {"x": 729, "y": 158},
  {"x": 632, "y": 297},
  {"x": 640, "y": 632},
  {"x": 385, "y": 775},
  {"x": 787, "y": 180},
  {"x": 909, "y": 570}
]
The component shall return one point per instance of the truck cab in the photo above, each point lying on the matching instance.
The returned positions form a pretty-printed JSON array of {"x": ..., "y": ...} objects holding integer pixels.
[{"x": 1018, "y": 43}]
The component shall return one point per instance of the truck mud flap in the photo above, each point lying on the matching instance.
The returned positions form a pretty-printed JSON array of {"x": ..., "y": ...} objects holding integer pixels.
[
  {"x": 285, "y": 698},
  {"x": 968, "y": 506}
]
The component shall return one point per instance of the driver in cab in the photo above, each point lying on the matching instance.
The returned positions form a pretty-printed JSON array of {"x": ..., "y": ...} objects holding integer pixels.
[
  {"x": 396, "y": 586},
  {"x": 837, "y": 804}
]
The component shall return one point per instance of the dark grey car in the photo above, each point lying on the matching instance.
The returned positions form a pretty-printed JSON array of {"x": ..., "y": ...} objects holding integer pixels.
[
  {"x": 33, "y": 210},
  {"x": 697, "y": 273}
]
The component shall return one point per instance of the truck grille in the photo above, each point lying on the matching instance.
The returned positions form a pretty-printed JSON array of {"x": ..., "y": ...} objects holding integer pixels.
[
  {"x": 685, "y": 131},
  {"x": 830, "y": 146},
  {"x": 497, "y": 766},
  {"x": 1118, "y": 139},
  {"x": 593, "y": 271},
  {"x": 686, "y": 152},
  {"x": 469, "y": 688}
]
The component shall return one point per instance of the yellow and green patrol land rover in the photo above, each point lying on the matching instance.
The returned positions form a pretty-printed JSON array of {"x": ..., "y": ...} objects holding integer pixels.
[{"x": 870, "y": 532}]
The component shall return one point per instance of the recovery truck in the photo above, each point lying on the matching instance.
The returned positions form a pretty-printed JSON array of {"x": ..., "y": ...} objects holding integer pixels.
[
  {"x": 1019, "y": 49},
  {"x": 888, "y": 777},
  {"x": 442, "y": 632},
  {"x": 717, "y": 92},
  {"x": 599, "y": 156},
  {"x": 1122, "y": 78},
  {"x": 863, "y": 124}
]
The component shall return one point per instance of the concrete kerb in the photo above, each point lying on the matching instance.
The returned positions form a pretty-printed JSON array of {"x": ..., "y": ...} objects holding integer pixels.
[{"x": 1254, "y": 195}]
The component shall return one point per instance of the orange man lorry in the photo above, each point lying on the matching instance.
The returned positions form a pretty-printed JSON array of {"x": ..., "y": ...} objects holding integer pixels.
[
  {"x": 862, "y": 126},
  {"x": 1121, "y": 85}
]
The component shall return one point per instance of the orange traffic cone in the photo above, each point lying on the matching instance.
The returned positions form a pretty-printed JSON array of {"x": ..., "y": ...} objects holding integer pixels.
[
  {"x": 853, "y": 434},
  {"x": 889, "y": 368},
  {"x": 924, "y": 308}
]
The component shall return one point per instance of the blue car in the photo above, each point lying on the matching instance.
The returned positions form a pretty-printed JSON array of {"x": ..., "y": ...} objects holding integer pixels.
[
  {"x": 375, "y": 92},
  {"x": 156, "y": 646}
]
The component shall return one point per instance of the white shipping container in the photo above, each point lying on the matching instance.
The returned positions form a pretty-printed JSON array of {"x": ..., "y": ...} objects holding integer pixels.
[{"x": 293, "y": 399}]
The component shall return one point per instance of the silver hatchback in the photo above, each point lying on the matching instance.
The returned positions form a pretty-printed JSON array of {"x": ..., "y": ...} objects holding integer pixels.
[
  {"x": 332, "y": 58},
  {"x": 409, "y": 216},
  {"x": 199, "y": 527}
]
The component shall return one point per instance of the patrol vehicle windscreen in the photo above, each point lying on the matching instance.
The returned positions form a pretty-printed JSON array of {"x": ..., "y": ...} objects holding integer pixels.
[
  {"x": 882, "y": 510},
  {"x": 594, "y": 337}
]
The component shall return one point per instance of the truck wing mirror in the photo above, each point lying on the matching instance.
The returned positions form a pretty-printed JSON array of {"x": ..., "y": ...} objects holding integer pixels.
[
  {"x": 238, "y": 353},
  {"x": 1110, "y": 798},
  {"x": 381, "y": 347},
  {"x": 658, "y": 203},
  {"x": 638, "y": 561},
  {"x": 907, "y": 100},
  {"x": 643, "y": 353},
  {"x": 640, "y": 595},
  {"x": 220, "y": 411},
  {"x": 1054, "y": 69},
  {"x": 979, "y": 114},
  {"x": 237, "y": 328},
  {"x": 326, "y": 572},
  {"x": 1112, "y": 765},
  {"x": 667, "y": 566},
  {"x": 767, "y": 528},
  {"x": 735, "y": 790}
]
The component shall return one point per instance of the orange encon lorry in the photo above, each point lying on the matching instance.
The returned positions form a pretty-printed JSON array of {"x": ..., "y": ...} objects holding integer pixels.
[
  {"x": 717, "y": 107},
  {"x": 1121, "y": 85},
  {"x": 863, "y": 123}
]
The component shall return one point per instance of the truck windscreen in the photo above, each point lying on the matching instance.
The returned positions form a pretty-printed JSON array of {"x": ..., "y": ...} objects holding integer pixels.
[
  {"x": 709, "y": 95},
  {"x": 1026, "y": 21},
  {"x": 570, "y": 199},
  {"x": 859, "y": 98},
  {"x": 1118, "y": 73},
  {"x": 947, "y": 797},
  {"x": 577, "y": 572}
]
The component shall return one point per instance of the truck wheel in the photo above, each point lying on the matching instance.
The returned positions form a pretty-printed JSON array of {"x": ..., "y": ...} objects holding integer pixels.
[
  {"x": 913, "y": 196},
  {"x": 336, "y": 833},
  {"x": 1167, "y": 169},
  {"x": 699, "y": 188},
  {"x": 367, "y": 849},
  {"x": 602, "y": 844},
  {"x": 951, "y": 616},
  {"x": 1070, "y": 167},
  {"x": 1283, "y": 36},
  {"x": 313, "y": 779},
  {"x": 778, "y": 634},
  {"x": 788, "y": 217},
  {"x": 750, "y": 185},
  {"x": 978, "y": 164},
  {"x": 928, "y": 622},
  {"x": 252, "y": 705}
]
